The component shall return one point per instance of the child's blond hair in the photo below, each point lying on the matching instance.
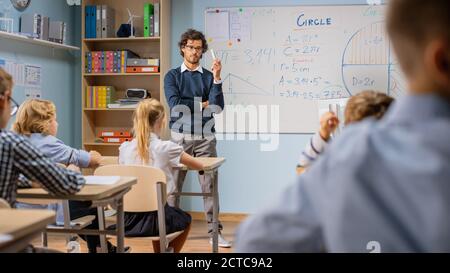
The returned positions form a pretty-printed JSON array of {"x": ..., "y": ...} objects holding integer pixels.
[
  {"x": 6, "y": 81},
  {"x": 145, "y": 117},
  {"x": 34, "y": 116},
  {"x": 367, "y": 104}
]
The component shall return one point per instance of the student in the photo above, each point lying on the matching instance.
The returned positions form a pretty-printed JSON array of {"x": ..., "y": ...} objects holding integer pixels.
[
  {"x": 19, "y": 156},
  {"x": 148, "y": 149},
  {"x": 36, "y": 119},
  {"x": 363, "y": 105},
  {"x": 384, "y": 183}
]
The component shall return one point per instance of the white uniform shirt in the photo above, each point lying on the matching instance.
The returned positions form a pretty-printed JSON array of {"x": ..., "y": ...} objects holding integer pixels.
[{"x": 165, "y": 155}]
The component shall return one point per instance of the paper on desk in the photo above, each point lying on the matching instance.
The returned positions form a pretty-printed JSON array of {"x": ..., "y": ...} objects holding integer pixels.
[
  {"x": 101, "y": 180},
  {"x": 5, "y": 238}
]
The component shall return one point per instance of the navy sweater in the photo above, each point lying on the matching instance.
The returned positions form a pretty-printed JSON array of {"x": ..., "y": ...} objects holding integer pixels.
[{"x": 182, "y": 88}]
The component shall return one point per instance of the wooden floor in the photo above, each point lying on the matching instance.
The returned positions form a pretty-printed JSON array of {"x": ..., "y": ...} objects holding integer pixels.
[{"x": 197, "y": 242}]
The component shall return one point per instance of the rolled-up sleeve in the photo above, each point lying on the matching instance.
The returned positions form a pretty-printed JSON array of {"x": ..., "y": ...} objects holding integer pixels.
[
  {"x": 36, "y": 167},
  {"x": 216, "y": 96},
  {"x": 61, "y": 153}
]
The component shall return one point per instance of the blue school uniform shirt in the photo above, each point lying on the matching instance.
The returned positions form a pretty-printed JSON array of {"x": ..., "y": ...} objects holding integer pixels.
[
  {"x": 384, "y": 184},
  {"x": 59, "y": 152}
]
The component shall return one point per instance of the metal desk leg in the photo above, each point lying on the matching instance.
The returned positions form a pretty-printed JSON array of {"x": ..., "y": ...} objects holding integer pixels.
[
  {"x": 120, "y": 226},
  {"x": 215, "y": 213},
  {"x": 67, "y": 220},
  {"x": 101, "y": 226}
]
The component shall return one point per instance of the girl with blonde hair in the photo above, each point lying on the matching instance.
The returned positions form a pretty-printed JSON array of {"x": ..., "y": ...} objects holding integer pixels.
[{"x": 147, "y": 148}]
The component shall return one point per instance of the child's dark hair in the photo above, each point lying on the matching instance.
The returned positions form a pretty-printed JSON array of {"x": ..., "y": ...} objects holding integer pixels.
[
  {"x": 367, "y": 104},
  {"x": 195, "y": 35},
  {"x": 413, "y": 23}
]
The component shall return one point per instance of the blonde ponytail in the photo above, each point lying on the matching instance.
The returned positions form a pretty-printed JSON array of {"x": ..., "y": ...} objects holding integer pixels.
[{"x": 145, "y": 117}]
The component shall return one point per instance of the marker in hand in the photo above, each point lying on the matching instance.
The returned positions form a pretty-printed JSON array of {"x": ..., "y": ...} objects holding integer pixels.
[{"x": 213, "y": 54}]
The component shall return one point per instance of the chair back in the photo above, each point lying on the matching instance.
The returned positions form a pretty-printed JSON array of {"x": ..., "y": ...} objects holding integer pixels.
[{"x": 143, "y": 196}]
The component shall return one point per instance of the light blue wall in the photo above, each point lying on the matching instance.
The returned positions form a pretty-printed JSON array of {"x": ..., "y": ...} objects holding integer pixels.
[
  {"x": 249, "y": 178},
  {"x": 60, "y": 73}
]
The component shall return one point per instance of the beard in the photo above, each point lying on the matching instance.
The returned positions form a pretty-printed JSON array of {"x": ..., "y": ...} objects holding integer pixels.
[{"x": 194, "y": 59}]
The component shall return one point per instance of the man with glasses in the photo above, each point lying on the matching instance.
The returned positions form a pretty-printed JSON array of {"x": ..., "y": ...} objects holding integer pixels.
[{"x": 194, "y": 94}]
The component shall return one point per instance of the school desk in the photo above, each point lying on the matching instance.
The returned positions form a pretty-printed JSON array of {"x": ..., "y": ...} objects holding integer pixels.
[
  {"x": 211, "y": 165},
  {"x": 19, "y": 227},
  {"x": 100, "y": 196}
]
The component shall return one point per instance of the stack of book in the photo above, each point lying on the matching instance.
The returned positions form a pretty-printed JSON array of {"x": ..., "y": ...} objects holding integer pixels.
[
  {"x": 135, "y": 65},
  {"x": 99, "y": 96},
  {"x": 127, "y": 103},
  {"x": 115, "y": 136},
  {"x": 108, "y": 61},
  {"x": 40, "y": 27}
]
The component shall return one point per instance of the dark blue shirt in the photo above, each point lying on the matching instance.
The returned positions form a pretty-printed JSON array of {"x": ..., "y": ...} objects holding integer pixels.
[{"x": 190, "y": 88}]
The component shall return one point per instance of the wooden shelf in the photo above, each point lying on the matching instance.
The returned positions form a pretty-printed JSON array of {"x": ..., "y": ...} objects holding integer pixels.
[
  {"x": 25, "y": 39},
  {"x": 108, "y": 40},
  {"x": 96, "y": 120},
  {"x": 120, "y": 74},
  {"x": 110, "y": 109},
  {"x": 101, "y": 144}
]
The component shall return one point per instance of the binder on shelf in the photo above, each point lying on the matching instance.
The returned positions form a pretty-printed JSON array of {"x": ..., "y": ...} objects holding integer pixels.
[
  {"x": 142, "y": 69},
  {"x": 108, "y": 61},
  {"x": 108, "y": 22},
  {"x": 45, "y": 28},
  {"x": 87, "y": 22},
  {"x": 110, "y": 133},
  {"x": 148, "y": 11},
  {"x": 31, "y": 24},
  {"x": 88, "y": 62},
  {"x": 152, "y": 25},
  {"x": 57, "y": 31},
  {"x": 64, "y": 39},
  {"x": 119, "y": 140},
  {"x": 122, "y": 106},
  {"x": 98, "y": 21},
  {"x": 93, "y": 21},
  {"x": 156, "y": 19},
  {"x": 99, "y": 96},
  {"x": 142, "y": 62}
]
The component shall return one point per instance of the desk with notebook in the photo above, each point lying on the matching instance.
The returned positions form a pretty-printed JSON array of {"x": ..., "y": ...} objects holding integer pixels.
[{"x": 101, "y": 195}]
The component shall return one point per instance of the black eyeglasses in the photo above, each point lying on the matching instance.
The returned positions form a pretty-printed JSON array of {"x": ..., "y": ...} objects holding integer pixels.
[
  {"x": 14, "y": 107},
  {"x": 192, "y": 49}
]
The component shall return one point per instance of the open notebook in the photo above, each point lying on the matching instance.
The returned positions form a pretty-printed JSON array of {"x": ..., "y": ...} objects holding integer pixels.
[{"x": 102, "y": 180}]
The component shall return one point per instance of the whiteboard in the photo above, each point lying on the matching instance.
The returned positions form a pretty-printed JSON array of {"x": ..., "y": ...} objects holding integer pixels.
[{"x": 292, "y": 57}]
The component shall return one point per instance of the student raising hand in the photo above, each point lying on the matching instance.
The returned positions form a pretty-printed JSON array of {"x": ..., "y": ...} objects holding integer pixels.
[{"x": 328, "y": 124}]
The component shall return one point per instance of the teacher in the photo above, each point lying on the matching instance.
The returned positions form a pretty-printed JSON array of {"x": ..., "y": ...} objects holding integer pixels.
[{"x": 195, "y": 93}]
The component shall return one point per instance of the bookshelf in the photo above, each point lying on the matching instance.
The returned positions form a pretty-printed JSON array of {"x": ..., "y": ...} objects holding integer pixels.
[
  {"x": 95, "y": 120},
  {"x": 20, "y": 38}
]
